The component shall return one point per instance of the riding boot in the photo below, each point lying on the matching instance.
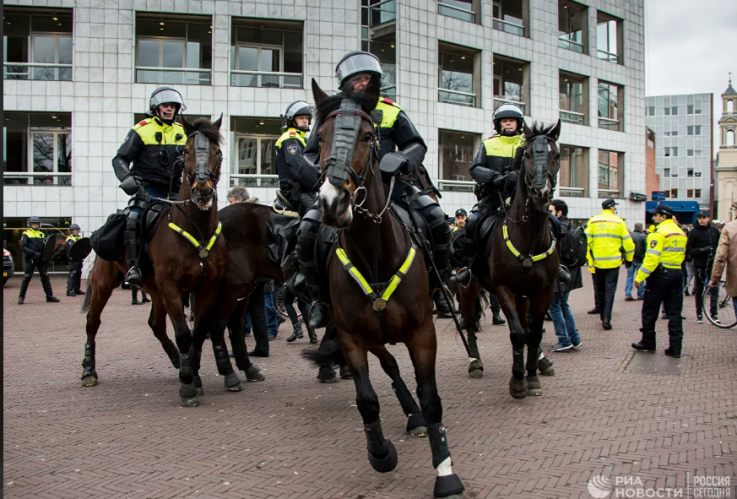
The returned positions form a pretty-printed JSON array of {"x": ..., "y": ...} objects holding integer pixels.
[
  {"x": 134, "y": 297},
  {"x": 133, "y": 248},
  {"x": 46, "y": 283},
  {"x": 306, "y": 236},
  {"x": 311, "y": 334},
  {"x": 497, "y": 319},
  {"x": 78, "y": 280},
  {"x": 23, "y": 289},
  {"x": 296, "y": 333},
  {"x": 464, "y": 276},
  {"x": 144, "y": 297}
]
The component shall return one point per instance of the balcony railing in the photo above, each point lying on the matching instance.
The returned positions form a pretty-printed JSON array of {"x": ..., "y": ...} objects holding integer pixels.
[
  {"x": 609, "y": 124},
  {"x": 37, "y": 71},
  {"x": 506, "y": 26},
  {"x": 607, "y": 56},
  {"x": 382, "y": 13},
  {"x": 456, "y": 97},
  {"x": 566, "y": 43},
  {"x": 609, "y": 193},
  {"x": 254, "y": 180},
  {"x": 572, "y": 117},
  {"x": 498, "y": 101},
  {"x": 36, "y": 178},
  {"x": 265, "y": 79},
  {"x": 456, "y": 185},
  {"x": 456, "y": 12},
  {"x": 571, "y": 192},
  {"x": 174, "y": 76}
]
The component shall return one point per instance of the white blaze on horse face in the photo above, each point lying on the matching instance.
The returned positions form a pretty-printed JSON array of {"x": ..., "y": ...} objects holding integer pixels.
[
  {"x": 329, "y": 194},
  {"x": 444, "y": 468}
]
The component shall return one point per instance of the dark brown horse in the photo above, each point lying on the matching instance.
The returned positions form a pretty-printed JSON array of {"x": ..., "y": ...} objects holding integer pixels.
[
  {"x": 523, "y": 264},
  {"x": 371, "y": 307},
  {"x": 177, "y": 265}
]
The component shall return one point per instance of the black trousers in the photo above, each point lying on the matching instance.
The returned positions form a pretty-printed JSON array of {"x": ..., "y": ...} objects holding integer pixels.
[
  {"x": 494, "y": 302},
  {"x": 606, "y": 285},
  {"x": 663, "y": 286},
  {"x": 74, "y": 281},
  {"x": 43, "y": 270},
  {"x": 700, "y": 278},
  {"x": 258, "y": 318},
  {"x": 597, "y": 305}
]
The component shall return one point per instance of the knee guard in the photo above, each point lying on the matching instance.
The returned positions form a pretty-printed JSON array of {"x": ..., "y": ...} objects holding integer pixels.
[
  {"x": 471, "y": 226},
  {"x": 306, "y": 237},
  {"x": 435, "y": 218},
  {"x": 133, "y": 237}
]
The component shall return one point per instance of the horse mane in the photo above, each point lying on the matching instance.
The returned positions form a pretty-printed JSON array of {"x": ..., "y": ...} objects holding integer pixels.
[
  {"x": 539, "y": 128},
  {"x": 206, "y": 126}
]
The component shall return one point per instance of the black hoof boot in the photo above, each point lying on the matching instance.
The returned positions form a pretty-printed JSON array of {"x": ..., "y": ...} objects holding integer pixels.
[
  {"x": 448, "y": 486},
  {"x": 416, "y": 426},
  {"x": 232, "y": 383},
  {"x": 518, "y": 387},
  {"x": 386, "y": 463},
  {"x": 327, "y": 375},
  {"x": 498, "y": 320},
  {"x": 534, "y": 387},
  {"x": 188, "y": 395},
  {"x": 198, "y": 384},
  {"x": 253, "y": 373},
  {"x": 545, "y": 366}
]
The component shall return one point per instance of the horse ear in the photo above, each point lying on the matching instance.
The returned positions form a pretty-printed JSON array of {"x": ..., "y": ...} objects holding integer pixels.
[
  {"x": 555, "y": 132},
  {"x": 187, "y": 126},
  {"x": 317, "y": 92},
  {"x": 219, "y": 121},
  {"x": 526, "y": 131}
]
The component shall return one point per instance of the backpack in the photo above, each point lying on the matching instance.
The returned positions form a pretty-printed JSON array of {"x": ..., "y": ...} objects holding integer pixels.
[
  {"x": 573, "y": 248},
  {"x": 107, "y": 241}
]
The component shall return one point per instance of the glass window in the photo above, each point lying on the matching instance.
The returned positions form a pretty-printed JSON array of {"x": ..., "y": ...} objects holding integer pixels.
[
  {"x": 574, "y": 171},
  {"x": 674, "y": 110},
  {"x": 689, "y": 172},
  {"x": 459, "y": 9},
  {"x": 689, "y": 109},
  {"x": 455, "y": 85},
  {"x": 689, "y": 193},
  {"x": 254, "y": 158},
  {"x": 455, "y": 156},
  {"x": 674, "y": 193},
  {"x": 607, "y": 38},
  {"x": 571, "y": 26},
  {"x": 509, "y": 16},
  {"x": 697, "y": 129},
  {"x": 611, "y": 173},
  {"x": 509, "y": 83},
  {"x": 666, "y": 172},
  {"x": 689, "y": 152},
  {"x": 697, "y": 193},
  {"x": 651, "y": 111},
  {"x": 610, "y": 111},
  {"x": 182, "y": 45},
  {"x": 573, "y": 105},
  {"x": 258, "y": 52}
]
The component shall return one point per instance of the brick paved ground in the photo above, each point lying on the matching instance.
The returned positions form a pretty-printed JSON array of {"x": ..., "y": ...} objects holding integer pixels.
[{"x": 293, "y": 437}]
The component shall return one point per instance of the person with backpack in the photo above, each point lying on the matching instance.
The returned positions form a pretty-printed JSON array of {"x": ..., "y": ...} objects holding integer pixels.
[
  {"x": 639, "y": 238},
  {"x": 572, "y": 250}
]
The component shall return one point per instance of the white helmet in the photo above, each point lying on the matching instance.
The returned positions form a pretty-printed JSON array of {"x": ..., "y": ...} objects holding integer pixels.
[
  {"x": 508, "y": 111},
  {"x": 162, "y": 95},
  {"x": 298, "y": 108}
]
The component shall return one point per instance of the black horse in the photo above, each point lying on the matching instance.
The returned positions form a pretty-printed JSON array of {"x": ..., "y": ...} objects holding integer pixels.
[{"x": 523, "y": 264}]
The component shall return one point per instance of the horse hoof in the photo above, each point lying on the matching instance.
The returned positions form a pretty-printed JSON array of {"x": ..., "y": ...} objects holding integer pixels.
[
  {"x": 233, "y": 383},
  {"x": 547, "y": 372},
  {"x": 416, "y": 426},
  {"x": 345, "y": 372},
  {"x": 89, "y": 381},
  {"x": 518, "y": 387},
  {"x": 534, "y": 388},
  {"x": 386, "y": 463},
  {"x": 327, "y": 375},
  {"x": 417, "y": 432},
  {"x": 476, "y": 373},
  {"x": 545, "y": 365},
  {"x": 253, "y": 373},
  {"x": 448, "y": 486},
  {"x": 190, "y": 402}
]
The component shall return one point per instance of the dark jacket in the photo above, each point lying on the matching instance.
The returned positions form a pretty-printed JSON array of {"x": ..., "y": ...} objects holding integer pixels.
[
  {"x": 32, "y": 243},
  {"x": 576, "y": 280},
  {"x": 701, "y": 246},
  {"x": 495, "y": 167},
  {"x": 153, "y": 147},
  {"x": 640, "y": 240},
  {"x": 296, "y": 174}
]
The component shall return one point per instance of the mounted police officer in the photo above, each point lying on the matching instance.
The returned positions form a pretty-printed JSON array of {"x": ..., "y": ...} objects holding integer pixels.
[
  {"x": 74, "y": 281},
  {"x": 32, "y": 245},
  {"x": 666, "y": 249},
  {"x": 494, "y": 172},
  {"x": 153, "y": 146},
  {"x": 402, "y": 151},
  {"x": 297, "y": 176}
]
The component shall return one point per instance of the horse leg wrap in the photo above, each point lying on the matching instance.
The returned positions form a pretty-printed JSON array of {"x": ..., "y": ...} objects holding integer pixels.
[
  {"x": 518, "y": 363},
  {"x": 221, "y": 359},
  {"x": 438, "y": 443},
  {"x": 375, "y": 442},
  {"x": 185, "y": 367},
  {"x": 89, "y": 360},
  {"x": 196, "y": 356}
]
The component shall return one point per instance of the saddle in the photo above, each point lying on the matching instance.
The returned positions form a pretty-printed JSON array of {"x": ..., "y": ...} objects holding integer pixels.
[{"x": 108, "y": 240}]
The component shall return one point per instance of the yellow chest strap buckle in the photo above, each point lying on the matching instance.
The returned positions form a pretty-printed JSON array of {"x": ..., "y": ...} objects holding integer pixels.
[
  {"x": 203, "y": 251},
  {"x": 378, "y": 301},
  {"x": 528, "y": 260}
]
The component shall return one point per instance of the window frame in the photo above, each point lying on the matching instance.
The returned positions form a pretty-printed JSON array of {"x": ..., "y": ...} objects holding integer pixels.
[
  {"x": 501, "y": 24},
  {"x": 29, "y": 172},
  {"x": 566, "y": 40},
  {"x": 568, "y": 115},
  {"x": 604, "y": 18},
  {"x": 619, "y": 191},
  {"x": 463, "y": 52},
  {"x": 475, "y": 16},
  {"x": 619, "y": 103},
  {"x": 457, "y": 185},
  {"x": 257, "y": 179},
  {"x": 577, "y": 190},
  {"x": 498, "y": 61}
]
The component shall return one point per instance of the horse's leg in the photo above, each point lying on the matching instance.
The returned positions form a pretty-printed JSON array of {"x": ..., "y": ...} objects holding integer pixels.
[
  {"x": 415, "y": 422},
  {"x": 235, "y": 323},
  {"x": 172, "y": 301},
  {"x": 534, "y": 337},
  {"x": 517, "y": 383},
  {"x": 157, "y": 323},
  {"x": 204, "y": 321},
  {"x": 424, "y": 350},
  {"x": 103, "y": 280},
  {"x": 468, "y": 298},
  {"x": 381, "y": 452}
]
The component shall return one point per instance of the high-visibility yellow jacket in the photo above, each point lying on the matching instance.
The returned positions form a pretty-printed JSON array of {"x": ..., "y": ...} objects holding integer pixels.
[
  {"x": 666, "y": 246},
  {"x": 607, "y": 235}
]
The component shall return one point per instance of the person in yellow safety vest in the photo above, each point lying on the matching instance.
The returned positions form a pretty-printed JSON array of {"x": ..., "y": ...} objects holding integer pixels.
[
  {"x": 74, "y": 281},
  {"x": 666, "y": 249},
  {"x": 32, "y": 245},
  {"x": 610, "y": 244}
]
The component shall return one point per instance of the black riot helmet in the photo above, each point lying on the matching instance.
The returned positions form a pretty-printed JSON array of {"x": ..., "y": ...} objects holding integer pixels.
[
  {"x": 508, "y": 111},
  {"x": 74, "y": 227},
  {"x": 34, "y": 220},
  {"x": 298, "y": 108}
]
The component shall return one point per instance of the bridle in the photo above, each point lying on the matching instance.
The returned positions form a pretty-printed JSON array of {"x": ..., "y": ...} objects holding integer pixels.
[
  {"x": 202, "y": 172},
  {"x": 541, "y": 174}
]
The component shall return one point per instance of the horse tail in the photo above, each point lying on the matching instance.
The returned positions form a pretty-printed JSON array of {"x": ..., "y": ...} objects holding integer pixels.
[
  {"x": 484, "y": 297},
  {"x": 329, "y": 353},
  {"x": 87, "y": 298}
]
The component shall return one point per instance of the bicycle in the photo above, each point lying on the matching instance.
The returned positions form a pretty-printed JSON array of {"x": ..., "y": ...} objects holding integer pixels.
[{"x": 725, "y": 317}]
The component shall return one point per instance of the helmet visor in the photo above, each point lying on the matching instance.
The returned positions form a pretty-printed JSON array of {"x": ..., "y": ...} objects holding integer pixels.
[
  {"x": 167, "y": 96},
  {"x": 358, "y": 64},
  {"x": 299, "y": 108}
]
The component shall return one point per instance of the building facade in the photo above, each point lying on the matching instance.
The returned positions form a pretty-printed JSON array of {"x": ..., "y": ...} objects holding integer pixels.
[
  {"x": 684, "y": 138},
  {"x": 726, "y": 171},
  {"x": 78, "y": 76},
  {"x": 652, "y": 179}
]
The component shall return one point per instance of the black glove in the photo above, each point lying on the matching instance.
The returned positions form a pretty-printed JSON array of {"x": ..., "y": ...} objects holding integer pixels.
[
  {"x": 129, "y": 185},
  {"x": 512, "y": 179},
  {"x": 392, "y": 163},
  {"x": 707, "y": 250},
  {"x": 37, "y": 255},
  {"x": 627, "y": 264}
]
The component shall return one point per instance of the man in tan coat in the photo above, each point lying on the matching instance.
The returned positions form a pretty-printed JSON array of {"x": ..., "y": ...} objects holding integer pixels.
[{"x": 727, "y": 256}]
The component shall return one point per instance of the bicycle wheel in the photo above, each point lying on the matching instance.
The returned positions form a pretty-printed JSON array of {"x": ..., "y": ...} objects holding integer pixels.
[{"x": 725, "y": 317}]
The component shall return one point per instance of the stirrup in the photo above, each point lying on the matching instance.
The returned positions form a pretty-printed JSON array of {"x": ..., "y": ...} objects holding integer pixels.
[
  {"x": 134, "y": 277},
  {"x": 463, "y": 277}
]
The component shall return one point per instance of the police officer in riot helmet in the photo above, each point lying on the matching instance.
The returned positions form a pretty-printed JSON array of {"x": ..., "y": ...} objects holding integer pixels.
[
  {"x": 402, "y": 151},
  {"x": 74, "y": 280},
  {"x": 32, "y": 245},
  {"x": 146, "y": 166},
  {"x": 297, "y": 176}
]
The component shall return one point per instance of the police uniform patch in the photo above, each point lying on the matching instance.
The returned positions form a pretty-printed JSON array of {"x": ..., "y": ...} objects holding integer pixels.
[
  {"x": 653, "y": 244},
  {"x": 292, "y": 149}
]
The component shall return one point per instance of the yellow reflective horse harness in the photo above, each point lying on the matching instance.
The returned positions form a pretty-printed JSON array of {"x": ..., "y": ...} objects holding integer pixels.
[
  {"x": 527, "y": 260},
  {"x": 202, "y": 251}
]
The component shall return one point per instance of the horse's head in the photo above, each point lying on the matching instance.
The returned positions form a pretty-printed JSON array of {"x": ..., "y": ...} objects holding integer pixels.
[
  {"x": 348, "y": 150},
  {"x": 202, "y": 158},
  {"x": 541, "y": 162}
]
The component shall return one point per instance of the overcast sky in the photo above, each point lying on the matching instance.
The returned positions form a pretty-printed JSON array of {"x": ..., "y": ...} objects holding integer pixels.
[{"x": 690, "y": 46}]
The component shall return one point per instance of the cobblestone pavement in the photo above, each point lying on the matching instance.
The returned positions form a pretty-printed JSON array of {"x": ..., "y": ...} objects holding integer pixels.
[{"x": 291, "y": 436}]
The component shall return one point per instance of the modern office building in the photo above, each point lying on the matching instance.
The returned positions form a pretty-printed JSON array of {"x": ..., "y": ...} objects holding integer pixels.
[
  {"x": 684, "y": 136},
  {"x": 726, "y": 171},
  {"x": 78, "y": 76}
]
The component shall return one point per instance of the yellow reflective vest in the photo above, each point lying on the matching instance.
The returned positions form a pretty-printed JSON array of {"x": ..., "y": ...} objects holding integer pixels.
[
  {"x": 607, "y": 235},
  {"x": 666, "y": 246}
]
